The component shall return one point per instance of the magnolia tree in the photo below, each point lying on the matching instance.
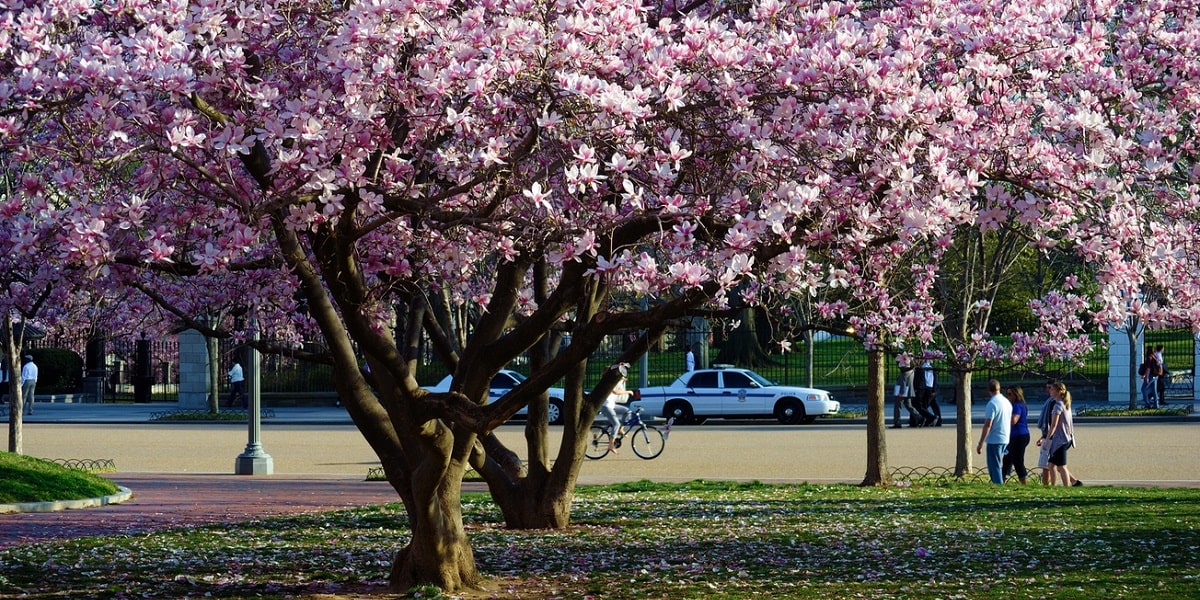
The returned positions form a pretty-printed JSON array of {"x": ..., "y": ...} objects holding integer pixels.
[
  {"x": 39, "y": 290},
  {"x": 359, "y": 169}
]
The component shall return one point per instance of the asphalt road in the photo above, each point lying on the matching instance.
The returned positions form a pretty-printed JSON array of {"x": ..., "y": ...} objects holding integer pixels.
[{"x": 1127, "y": 453}]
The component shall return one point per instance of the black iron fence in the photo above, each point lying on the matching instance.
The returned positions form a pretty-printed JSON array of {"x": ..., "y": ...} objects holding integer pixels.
[{"x": 829, "y": 362}]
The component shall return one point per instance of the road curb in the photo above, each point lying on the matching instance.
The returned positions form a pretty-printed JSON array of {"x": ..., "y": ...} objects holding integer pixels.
[{"x": 61, "y": 505}]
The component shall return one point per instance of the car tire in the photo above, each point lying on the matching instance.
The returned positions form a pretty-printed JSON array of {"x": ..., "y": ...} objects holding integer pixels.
[
  {"x": 681, "y": 411},
  {"x": 554, "y": 411},
  {"x": 789, "y": 411}
]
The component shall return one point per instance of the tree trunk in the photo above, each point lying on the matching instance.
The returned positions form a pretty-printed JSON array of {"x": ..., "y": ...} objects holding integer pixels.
[
  {"x": 539, "y": 496},
  {"x": 809, "y": 351},
  {"x": 743, "y": 347},
  {"x": 16, "y": 404},
  {"x": 439, "y": 552},
  {"x": 877, "y": 463},
  {"x": 535, "y": 501},
  {"x": 214, "y": 374},
  {"x": 962, "y": 385},
  {"x": 696, "y": 339}
]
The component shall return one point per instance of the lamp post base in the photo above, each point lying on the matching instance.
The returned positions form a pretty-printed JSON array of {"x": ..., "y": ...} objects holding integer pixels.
[{"x": 254, "y": 462}]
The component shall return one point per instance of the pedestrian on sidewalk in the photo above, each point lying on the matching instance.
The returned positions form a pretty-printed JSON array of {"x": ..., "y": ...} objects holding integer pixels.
[
  {"x": 1149, "y": 372},
  {"x": 1018, "y": 436},
  {"x": 1163, "y": 375},
  {"x": 1061, "y": 436},
  {"x": 237, "y": 385},
  {"x": 997, "y": 423},
  {"x": 1043, "y": 423},
  {"x": 902, "y": 395},
  {"x": 29, "y": 377},
  {"x": 927, "y": 389}
]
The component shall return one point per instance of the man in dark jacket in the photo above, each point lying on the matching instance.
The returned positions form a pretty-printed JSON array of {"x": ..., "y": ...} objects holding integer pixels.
[{"x": 927, "y": 388}]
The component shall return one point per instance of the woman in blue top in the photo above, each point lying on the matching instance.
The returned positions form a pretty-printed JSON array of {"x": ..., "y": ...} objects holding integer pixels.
[{"x": 1019, "y": 435}]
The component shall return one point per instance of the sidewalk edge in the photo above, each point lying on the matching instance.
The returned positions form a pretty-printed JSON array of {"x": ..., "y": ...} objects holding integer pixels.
[{"x": 61, "y": 505}]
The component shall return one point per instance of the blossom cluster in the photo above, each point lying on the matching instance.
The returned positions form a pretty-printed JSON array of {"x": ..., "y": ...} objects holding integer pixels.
[{"x": 788, "y": 145}]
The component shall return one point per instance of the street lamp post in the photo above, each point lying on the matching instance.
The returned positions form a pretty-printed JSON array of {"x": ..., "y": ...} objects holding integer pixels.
[{"x": 254, "y": 460}]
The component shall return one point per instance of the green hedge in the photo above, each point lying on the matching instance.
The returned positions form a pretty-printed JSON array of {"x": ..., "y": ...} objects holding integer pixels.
[{"x": 60, "y": 370}]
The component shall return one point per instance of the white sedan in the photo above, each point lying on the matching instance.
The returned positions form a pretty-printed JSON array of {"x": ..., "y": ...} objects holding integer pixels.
[
  {"x": 734, "y": 393},
  {"x": 506, "y": 380}
]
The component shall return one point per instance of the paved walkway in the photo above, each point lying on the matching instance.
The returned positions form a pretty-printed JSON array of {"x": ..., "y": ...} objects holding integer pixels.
[{"x": 164, "y": 500}]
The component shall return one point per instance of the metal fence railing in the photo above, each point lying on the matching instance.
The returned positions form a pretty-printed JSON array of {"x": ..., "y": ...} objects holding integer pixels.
[{"x": 839, "y": 364}]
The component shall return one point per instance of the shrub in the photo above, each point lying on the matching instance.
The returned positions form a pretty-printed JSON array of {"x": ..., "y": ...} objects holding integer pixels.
[{"x": 59, "y": 370}]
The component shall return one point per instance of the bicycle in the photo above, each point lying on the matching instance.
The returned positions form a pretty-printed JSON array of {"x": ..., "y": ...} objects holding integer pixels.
[{"x": 647, "y": 440}]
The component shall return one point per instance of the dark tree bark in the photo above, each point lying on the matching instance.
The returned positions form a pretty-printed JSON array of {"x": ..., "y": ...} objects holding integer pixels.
[
  {"x": 214, "y": 374},
  {"x": 16, "y": 404},
  {"x": 743, "y": 346},
  {"x": 962, "y": 385},
  {"x": 878, "y": 472}
]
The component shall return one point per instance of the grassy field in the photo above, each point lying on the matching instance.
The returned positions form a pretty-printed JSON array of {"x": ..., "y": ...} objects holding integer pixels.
[
  {"x": 695, "y": 540},
  {"x": 27, "y": 479}
]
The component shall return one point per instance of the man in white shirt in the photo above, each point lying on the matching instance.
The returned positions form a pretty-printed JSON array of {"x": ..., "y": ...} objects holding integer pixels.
[
  {"x": 237, "y": 385},
  {"x": 997, "y": 423},
  {"x": 29, "y": 376}
]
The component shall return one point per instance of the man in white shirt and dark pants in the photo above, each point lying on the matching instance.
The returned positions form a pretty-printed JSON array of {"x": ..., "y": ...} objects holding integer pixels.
[
  {"x": 237, "y": 385},
  {"x": 29, "y": 375},
  {"x": 997, "y": 423}
]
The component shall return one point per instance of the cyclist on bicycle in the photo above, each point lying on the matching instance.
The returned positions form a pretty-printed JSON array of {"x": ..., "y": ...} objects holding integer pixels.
[{"x": 612, "y": 410}]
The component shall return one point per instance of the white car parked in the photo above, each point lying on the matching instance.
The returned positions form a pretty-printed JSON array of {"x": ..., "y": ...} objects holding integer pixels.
[
  {"x": 734, "y": 393},
  {"x": 504, "y": 381}
]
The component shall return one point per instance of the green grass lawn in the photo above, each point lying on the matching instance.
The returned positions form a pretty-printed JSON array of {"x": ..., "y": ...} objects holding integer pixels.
[
  {"x": 28, "y": 479},
  {"x": 695, "y": 540}
]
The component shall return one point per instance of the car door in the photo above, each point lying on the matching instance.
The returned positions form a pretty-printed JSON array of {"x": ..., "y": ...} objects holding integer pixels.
[
  {"x": 741, "y": 396},
  {"x": 704, "y": 393},
  {"x": 501, "y": 383}
]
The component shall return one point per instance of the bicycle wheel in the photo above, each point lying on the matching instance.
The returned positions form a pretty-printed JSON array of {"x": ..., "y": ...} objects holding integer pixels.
[
  {"x": 647, "y": 441},
  {"x": 597, "y": 442}
]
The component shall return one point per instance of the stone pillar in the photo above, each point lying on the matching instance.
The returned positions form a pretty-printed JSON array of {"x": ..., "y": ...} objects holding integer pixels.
[
  {"x": 193, "y": 371},
  {"x": 1119, "y": 357},
  {"x": 1195, "y": 365}
]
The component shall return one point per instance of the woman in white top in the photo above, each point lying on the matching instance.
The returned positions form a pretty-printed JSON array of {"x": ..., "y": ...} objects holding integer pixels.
[{"x": 612, "y": 411}]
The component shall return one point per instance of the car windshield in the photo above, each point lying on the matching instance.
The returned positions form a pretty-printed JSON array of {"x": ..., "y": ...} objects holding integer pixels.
[
  {"x": 506, "y": 380},
  {"x": 759, "y": 379}
]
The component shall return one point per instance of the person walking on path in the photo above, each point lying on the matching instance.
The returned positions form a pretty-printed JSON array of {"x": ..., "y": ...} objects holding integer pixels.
[
  {"x": 1149, "y": 372},
  {"x": 1061, "y": 435},
  {"x": 997, "y": 423},
  {"x": 903, "y": 394},
  {"x": 927, "y": 388},
  {"x": 1018, "y": 436},
  {"x": 1163, "y": 379},
  {"x": 237, "y": 385},
  {"x": 1044, "y": 428},
  {"x": 29, "y": 377}
]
